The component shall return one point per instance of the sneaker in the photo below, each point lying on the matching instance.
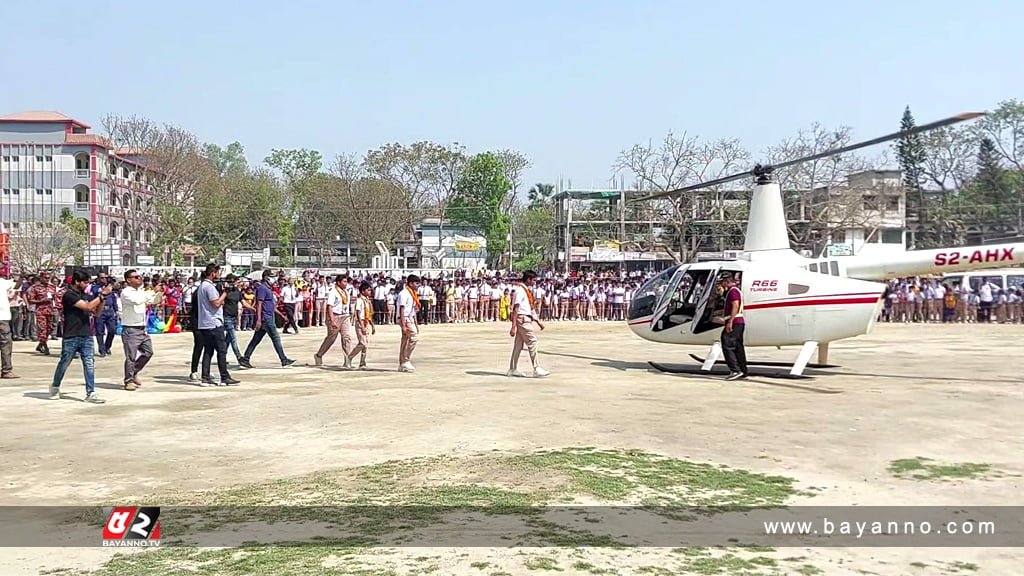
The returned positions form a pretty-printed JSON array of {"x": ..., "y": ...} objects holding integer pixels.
[
  {"x": 244, "y": 363},
  {"x": 515, "y": 374},
  {"x": 94, "y": 399},
  {"x": 207, "y": 383},
  {"x": 407, "y": 367},
  {"x": 194, "y": 377},
  {"x": 735, "y": 376},
  {"x": 54, "y": 393},
  {"x": 137, "y": 382},
  {"x": 9, "y": 376},
  {"x": 130, "y": 386},
  {"x": 229, "y": 381},
  {"x": 318, "y": 360},
  {"x": 539, "y": 372},
  {"x": 287, "y": 363},
  {"x": 362, "y": 365}
]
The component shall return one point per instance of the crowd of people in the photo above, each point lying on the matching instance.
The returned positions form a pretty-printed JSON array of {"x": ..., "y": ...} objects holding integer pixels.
[
  {"x": 88, "y": 313},
  {"x": 933, "y": 300}
]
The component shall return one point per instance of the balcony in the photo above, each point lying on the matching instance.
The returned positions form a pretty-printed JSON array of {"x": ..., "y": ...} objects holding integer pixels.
[{"x": 81, "y": 172}]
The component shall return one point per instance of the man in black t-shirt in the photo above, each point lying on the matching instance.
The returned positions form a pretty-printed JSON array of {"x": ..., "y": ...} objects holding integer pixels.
[
  {"x": 232, "y": 309},
  {"x": 78, "y": 305}
]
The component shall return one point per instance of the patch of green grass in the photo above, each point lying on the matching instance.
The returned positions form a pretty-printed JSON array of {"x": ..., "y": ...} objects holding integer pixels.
[
  {"x": 292, "y": 560},
  {"x": 588, "y": 567},
  {"x": 656, "y": 570},
  {"x": 959, "y": 566},
  {"x": 543, "y": 563},
  {"x": 692, "y": 551},
  {"x": 920, "y": 468},
  {"x": 918, "y": 564},
  {"x": 480, "y": 565},
  {"x": 809, "y": 570}
]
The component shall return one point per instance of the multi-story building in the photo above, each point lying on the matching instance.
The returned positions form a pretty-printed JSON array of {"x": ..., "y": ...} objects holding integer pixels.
[{"x": 50, "y": 162}]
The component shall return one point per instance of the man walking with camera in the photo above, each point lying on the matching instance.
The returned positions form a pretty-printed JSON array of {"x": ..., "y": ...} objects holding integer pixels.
[
  {"x": 138, "y": 348},
  {"x": 211, "y": 328},
  {"x": 77, "y": 306}
]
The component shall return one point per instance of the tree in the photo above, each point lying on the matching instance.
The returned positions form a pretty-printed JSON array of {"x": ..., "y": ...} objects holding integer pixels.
[
  {"x": 374, "y": 210},
  {"x": 176, "y": 169},
  {"x": 479, "y": 195},
  {"x": 818, "y": 201},
  {"x": 540, "y": 195},
  {"x": 1005, "y": 128},
  {"x": 911, "y": 154},
  {"x": 410, "y": 169},
  {"x": 48, "y": 245},
  {"x": 674, "y": 163},
  {"x": 445, "y": 165},
  {"x": 533, "y": 238},
  {"x": 299, "y": 168},
  {"x": 513, "y": 165},
  {"x": 321, "y": 217},
  {"x": 240, "y": 210},
  {"x": 229, "y": 160}
]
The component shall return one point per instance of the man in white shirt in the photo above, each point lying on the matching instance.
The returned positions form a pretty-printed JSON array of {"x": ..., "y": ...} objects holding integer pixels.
[
  {"x": 523, "y": 317},
  {"x": 290, "y": 296},
  {"x": 986, "y": 299},
  {"x": 408, "y": 305},
  {"x": 380, "y": 301},
  {"x": 339, "y": 321},
  {"x": 321, "y": 290},
  {"x": 138, "y": 348},
  {"x": 7, "y": 294}
]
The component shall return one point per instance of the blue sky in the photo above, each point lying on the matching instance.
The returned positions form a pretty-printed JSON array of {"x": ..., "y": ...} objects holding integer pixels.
[{"x": 569, "y": 83}]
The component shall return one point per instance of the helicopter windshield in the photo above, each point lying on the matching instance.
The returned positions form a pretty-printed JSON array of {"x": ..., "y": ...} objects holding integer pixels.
[{"x": 648, "y": 296}]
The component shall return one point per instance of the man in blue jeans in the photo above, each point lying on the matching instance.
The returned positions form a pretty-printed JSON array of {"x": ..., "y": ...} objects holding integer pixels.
[
  {"x": 78, "y": 306},
  {"x": 232, "y": 311},
  {"x": 265, "y": 324}
]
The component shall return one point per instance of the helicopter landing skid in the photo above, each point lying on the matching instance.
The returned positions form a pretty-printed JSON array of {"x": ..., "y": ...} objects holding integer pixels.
[
  {"x": 776, "y": 364},
  {"x": 698, "y": 371}
]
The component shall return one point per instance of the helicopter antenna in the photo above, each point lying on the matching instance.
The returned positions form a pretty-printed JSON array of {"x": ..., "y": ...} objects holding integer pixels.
[{"x": 763, "y": 172}]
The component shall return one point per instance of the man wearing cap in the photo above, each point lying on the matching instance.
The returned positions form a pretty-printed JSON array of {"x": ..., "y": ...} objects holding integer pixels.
[
  {"x": 41, "y": 295},
  {"x": 339, "y": 321},
  {"x": 265, "y": 324},
  {"x": 732, "y": 334}
]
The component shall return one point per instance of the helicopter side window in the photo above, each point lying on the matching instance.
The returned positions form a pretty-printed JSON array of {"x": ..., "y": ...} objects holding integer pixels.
[
  {"x": 795, "y": 289},
  {"x": 813, "y": 267},
  {"x": 834, "y": 267},
  {"x": 823, "y": 268}
]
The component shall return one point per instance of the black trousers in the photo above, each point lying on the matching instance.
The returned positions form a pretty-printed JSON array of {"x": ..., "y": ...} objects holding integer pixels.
[
  {"x": 732, "y": 348},
  {"x": 289, "y": 309},
  {"x": 197, "y": 350},
  {"x": 380, "y": 308},
  {"x": 215, "y": 340}
]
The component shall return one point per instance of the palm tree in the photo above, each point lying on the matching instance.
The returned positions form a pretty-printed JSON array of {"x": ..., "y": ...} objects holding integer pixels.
[{"x": 540, "y": 194}]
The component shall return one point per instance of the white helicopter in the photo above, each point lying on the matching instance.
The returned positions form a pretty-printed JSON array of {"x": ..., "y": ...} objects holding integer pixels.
[{"x": 789, "y": 300}]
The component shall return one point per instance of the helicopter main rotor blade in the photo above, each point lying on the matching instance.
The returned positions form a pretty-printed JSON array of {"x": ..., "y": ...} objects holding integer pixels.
[{"x": 895, "y": 135}]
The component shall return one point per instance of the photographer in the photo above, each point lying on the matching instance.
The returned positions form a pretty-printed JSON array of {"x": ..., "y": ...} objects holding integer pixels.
[
  {"x": 210, "y": 301},
  {"x": 232, "y": 310}
]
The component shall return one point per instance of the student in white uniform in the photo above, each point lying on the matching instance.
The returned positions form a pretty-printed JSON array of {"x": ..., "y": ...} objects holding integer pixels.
[
  {"x": 364, "y": 324},
  {"x": 523, "y": 318},
  {"x": 408, "y": 306},
  {"x": 339, "y": 321}
]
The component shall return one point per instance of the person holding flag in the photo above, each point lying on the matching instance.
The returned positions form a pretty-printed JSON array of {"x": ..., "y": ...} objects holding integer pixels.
[{"x": 523, "y": 317}]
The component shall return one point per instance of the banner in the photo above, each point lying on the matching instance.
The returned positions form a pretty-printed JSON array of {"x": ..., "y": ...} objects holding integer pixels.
[{"x": 466, "y": 246}]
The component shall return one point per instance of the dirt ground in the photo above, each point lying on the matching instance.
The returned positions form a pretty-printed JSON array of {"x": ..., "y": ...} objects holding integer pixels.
[{"x": 950, "y": 393}]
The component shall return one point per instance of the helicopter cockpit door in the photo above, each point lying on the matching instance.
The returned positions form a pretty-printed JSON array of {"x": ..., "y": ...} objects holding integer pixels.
[
  {"x": 709, "y": 301},
  {"x": 668, "y": 300}
]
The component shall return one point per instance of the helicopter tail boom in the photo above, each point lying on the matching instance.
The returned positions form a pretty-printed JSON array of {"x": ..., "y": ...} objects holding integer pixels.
[{"x": 937, "y": 261}]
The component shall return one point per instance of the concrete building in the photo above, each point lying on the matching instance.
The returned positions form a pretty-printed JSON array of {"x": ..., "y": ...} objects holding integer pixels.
[
  {"x": 449, "y": 246},
  {"x": 49, "y": 162}
]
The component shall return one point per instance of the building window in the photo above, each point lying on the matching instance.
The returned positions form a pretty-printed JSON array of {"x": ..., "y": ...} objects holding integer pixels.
[
  {"x": 14, "y": 159},
  {"x": 870, "y": 203},
  {"x": 49, "y": 192},
  {"x": 892, "y": 203},
  {"x": 81, "y": 162},
  {"x": 114, "y": 232},
  {"x": 81, "y": 195},
  {"x": 126, "y": 201},
  {"x": 7, "y": 191},
  {"x": 126, "y": 232},
  {"x": 49, "y": 158},
  {"x": 894, "y": 236},
  {"x": 40, "y": 191},
  {"x": 39, "y": 158},
  {"x": 16, "y": 191}
]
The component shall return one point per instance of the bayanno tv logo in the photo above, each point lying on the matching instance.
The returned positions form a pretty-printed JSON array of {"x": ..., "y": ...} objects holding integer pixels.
[{"x": 132, "y": 526}]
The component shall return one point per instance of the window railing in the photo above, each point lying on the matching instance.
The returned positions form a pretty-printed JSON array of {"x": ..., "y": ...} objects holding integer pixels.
[
  {"x": 81, "y": 206},
  {"x": 81, "y": 172}
]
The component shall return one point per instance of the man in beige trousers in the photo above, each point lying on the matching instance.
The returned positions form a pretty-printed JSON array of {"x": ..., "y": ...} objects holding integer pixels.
[
  {"x": 523, "y": 317},
  {"x": 339, "y": 321},
  {"x": 408, "y": 306}
]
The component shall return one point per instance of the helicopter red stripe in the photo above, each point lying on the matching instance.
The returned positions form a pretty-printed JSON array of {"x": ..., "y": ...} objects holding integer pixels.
[
  {"x": 821, "y": 302},
  {"x": 792, "y": 298}
]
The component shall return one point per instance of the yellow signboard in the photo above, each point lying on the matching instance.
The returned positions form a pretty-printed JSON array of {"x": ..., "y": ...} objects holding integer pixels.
[{"x": 463, "y": 246}]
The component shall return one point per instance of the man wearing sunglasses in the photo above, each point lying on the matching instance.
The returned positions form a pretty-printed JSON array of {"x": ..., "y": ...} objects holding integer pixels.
[{"x": 138, "y": 348}]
